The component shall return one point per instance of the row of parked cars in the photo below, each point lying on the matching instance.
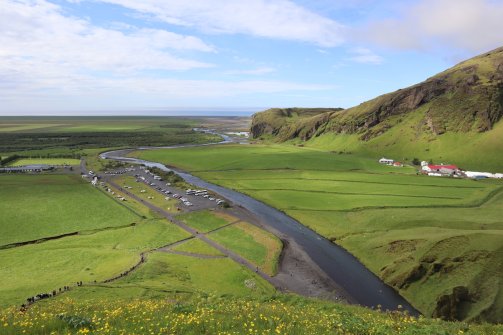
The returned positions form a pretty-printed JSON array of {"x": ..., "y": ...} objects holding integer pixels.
[{"x": 204, "y": 194}]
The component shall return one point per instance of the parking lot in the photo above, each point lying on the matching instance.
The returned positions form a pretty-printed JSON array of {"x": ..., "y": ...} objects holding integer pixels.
[{"x": 189, "y": 200}]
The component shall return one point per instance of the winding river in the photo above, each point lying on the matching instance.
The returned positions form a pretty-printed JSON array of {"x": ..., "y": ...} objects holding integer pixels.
[{"x": 362, "y": 286}]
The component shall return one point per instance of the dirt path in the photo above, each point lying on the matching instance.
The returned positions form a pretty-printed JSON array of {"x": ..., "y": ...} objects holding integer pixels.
[
  {"x": 191, "y": 254},
  {"x": 296, "y": 271},
  {"x": 235, "y": 257}
]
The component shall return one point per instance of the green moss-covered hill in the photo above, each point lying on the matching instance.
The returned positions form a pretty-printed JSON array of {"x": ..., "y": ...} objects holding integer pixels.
[{"x": 453, "y": 116}]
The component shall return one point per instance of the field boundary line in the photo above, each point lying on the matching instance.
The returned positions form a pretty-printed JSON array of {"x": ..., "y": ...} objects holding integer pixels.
[
  {"x": 479, "y": 203},
  {"x": 349, "y": 193},
  {"x": 346, "y": 181},
  {"x": 56, "y": 237}
]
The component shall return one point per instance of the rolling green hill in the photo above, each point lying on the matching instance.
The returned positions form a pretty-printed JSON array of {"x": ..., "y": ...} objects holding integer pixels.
[{"x": 453, "y": 116}]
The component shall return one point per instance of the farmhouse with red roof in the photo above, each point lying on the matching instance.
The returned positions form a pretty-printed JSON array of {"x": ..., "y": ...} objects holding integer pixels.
[{"x": 442, "y": 169}]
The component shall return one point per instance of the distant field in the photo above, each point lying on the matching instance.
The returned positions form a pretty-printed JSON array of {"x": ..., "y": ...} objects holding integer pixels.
[
  {"x": 100, "y": 128},
  {"x": 35, "y": 207},
  {"x": 56, "y": 136},
  {"x": 47, "y": 161},
  {"x": 13, "y": 127},
  {"x": 296, "y": 178},
  {"x": 262, "y": 157},
  {"x": 422, "y": 235}
]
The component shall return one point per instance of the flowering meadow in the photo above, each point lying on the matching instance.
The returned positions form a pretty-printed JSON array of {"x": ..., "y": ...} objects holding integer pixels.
[{"x": 220, "y": 315}]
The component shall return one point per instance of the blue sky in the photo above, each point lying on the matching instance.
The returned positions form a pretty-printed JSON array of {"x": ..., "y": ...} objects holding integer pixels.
[{"x": 226, "y": 56}]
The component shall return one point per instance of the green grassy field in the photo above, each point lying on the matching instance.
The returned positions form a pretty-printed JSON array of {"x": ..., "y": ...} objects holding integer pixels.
[
  {"x": 47, "y": 161},
  {"x": 205, "y": 221},
  {"x": 112, "y": 236},
  {"x": 43, "y": 267},
  {"x": 35, "y": 207},
  {"x": 69, "y": 136},
  {"x": 197, "y": 246},
  {"x": 256, "y": 245},
  {"x": 422, "y": 235}
]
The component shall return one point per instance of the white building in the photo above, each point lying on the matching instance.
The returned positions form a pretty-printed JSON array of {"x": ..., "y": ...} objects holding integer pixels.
[{"x": 386, "y": 161}]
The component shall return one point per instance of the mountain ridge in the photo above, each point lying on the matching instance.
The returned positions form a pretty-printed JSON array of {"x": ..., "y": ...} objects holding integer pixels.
[{"x": 464, "y": 99}]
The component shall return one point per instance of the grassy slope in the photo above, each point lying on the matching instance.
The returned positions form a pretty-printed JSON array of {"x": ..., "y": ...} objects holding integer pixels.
[
  {"x": 479, "y": 151},
  {"x": 34, "y": 207},
  {"x": 380, "y": 237},
  {"x": 256, "y": 245},
  {"x": 212, "y": 315},
  {"x": 43, "y": 267}
]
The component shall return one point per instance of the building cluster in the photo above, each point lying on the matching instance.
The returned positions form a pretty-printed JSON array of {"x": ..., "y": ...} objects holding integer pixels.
[
  {"x": 445, "y": 170},
  {"x": 390, "y": 162}
]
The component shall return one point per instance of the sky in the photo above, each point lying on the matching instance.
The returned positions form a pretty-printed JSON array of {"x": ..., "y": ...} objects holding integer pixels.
[{"x": 149, "y": 57}]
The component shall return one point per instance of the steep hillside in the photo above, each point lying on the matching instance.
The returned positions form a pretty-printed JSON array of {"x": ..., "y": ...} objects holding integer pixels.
[
  {"x": 452, "y": 116},
  {"x": 287, "y": 123}
]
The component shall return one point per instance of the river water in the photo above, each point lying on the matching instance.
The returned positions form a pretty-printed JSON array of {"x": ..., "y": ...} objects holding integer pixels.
[{"x": 363, "y": 286}]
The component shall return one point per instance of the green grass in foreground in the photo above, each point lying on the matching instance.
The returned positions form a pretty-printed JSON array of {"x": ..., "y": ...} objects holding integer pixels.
[
  {"x": 35, "y": 207},
  {"x": 47, "y": 161},
  {"x": 422, "y": 235},
  {"x": 217, "y": 315}
]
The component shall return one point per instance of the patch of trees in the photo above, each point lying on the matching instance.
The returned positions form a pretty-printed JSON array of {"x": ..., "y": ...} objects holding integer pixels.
[
  {"x": 169, "y": 177},
  {"x": 9, "y": 159}
]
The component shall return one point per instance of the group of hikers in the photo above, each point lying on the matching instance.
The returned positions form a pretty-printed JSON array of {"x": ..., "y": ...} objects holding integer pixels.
[
  {"x": 40, "y": 296},
  {"x": 125, "y": 273}
]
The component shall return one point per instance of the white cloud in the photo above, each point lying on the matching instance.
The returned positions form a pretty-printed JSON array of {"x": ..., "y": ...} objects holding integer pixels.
[
  {"x": 50, "y": 60},
  {"x": 470, "y": 25},
  {"x": 254, "y": 72},
  {"x": 36, "y": 34},
  {"x": 280, "y": 19},
  {"x": 365, "y": 56}
]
